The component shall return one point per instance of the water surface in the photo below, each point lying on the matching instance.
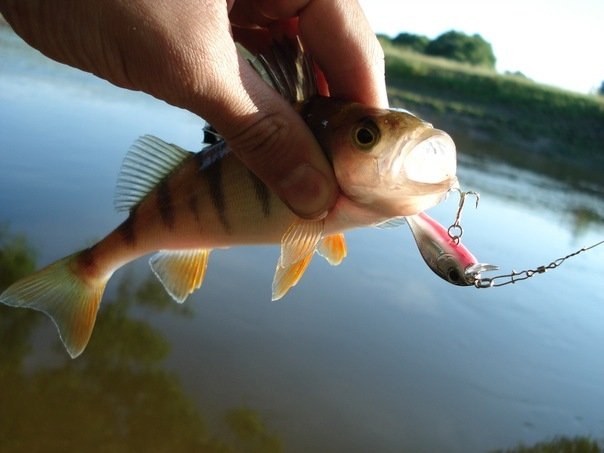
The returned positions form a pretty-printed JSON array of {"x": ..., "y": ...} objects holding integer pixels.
[{"x": 377, "y": 354}]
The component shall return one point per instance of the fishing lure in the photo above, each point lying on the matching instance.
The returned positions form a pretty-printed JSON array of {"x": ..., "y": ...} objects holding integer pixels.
[{"x": 472, "y": 273}]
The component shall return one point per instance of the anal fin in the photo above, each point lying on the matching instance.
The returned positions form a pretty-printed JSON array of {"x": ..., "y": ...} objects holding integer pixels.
[{"x": 180, "y": 271}]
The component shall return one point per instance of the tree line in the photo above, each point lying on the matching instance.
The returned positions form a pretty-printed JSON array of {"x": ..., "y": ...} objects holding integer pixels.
[{"x": 453, "y": 45}]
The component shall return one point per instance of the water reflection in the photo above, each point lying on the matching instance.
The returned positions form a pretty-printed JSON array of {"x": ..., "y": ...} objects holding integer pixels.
[
  {"x": 571, "y": 200},
  {"x": 117, "y": 396},
  {"x": 577, "y": 444},
  {"x": 583, "y": 219}
]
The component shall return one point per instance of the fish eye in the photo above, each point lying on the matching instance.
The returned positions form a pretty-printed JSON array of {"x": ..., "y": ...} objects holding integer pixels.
[{"x": 365, "y": 135}]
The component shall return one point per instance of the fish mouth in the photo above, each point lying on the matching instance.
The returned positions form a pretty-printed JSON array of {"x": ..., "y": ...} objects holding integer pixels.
[
  {"x": 409, "y": 176},
  {"x": 420, "y": 174},
  {"x": 426, "y": 159},
  {"x": 430, "y": 158}
]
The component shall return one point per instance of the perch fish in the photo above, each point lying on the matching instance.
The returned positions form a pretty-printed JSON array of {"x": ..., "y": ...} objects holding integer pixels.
[{"x": 182, "y": 205}]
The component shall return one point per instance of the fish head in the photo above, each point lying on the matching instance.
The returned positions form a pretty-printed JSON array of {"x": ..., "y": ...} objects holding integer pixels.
[{"x": 387, "y": 159}]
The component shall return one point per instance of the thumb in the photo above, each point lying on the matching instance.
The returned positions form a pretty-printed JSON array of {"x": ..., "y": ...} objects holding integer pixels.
[{"x": 273, "y": 141}]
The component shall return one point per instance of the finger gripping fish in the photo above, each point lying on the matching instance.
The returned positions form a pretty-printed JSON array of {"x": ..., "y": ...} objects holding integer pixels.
[{"x": 183, "y": 205}]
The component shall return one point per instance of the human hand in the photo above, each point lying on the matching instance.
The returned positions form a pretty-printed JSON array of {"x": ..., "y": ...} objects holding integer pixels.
[{"x": 183, "y": 52}]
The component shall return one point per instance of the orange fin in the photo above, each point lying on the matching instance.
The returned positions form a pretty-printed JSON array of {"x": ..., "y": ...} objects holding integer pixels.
[
  {"x": 333, "y": 248},
  {"x": 60, "y": 292},
  {"x": 180, "y": 271},
  {"x": 286, "y": 277},
  {"x": 298, "y": 245},
  {"x": 300, "y": 240}
]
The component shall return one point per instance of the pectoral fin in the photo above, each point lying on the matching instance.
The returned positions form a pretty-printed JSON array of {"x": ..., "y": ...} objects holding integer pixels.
[
  {"x": 286, "y": 277},
  {"x": 395, "y": 222},
  {"x": 300, "y": 240},
  {"x": 180, "y": 271},
  {"x": 333, "y": 248}
]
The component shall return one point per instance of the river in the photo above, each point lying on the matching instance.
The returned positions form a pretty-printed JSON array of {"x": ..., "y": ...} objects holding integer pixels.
[{"x": 377, "y": 354}]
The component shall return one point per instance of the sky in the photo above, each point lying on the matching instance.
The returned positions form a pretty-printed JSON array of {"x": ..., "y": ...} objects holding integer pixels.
[{"x": 556, "y": 42}]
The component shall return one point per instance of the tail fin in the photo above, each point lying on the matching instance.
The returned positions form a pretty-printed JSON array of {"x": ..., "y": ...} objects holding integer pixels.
[{"x": 62, "y": 293}]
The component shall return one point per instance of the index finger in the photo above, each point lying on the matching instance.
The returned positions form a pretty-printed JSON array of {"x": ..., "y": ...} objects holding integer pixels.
[{"x": 346, "y": 49}]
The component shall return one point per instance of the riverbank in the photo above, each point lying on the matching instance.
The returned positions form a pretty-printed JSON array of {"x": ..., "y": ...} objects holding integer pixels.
[
  {"x": 509, "y": 117},
  {"x": 524, "y": 123}
]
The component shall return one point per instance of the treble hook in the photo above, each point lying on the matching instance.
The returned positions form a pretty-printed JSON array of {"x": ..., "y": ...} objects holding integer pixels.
[{"x": 455, "y": 231}]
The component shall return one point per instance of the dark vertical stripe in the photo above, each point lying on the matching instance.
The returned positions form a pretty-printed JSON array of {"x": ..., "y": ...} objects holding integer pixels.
[
  {"x": 263, "y": 195},
  {"x": 127, "y": 228},
  {"x": 200, "y": 159},
  {"x": 214, "y": 175},
  {"x": 87, "y": 262},
  {"x": 164, "y": 204},
  {"x": 194, "y": 207}
]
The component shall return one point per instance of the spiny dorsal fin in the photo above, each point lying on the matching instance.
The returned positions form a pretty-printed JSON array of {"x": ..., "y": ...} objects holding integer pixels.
[
  {"x": 180, "y": 271},
  {"x": 210, "y": 135},
  {"x": 287, "y": 68},
  {"x": 148, "y": 161}
]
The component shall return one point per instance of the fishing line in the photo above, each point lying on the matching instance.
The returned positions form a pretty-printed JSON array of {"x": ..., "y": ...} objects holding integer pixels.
[
  {"x": 513, "y": 277},
  {"x": 455, "y": 232}
]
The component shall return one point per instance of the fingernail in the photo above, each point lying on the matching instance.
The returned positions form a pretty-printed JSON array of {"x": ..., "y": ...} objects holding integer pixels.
[{"x": 306, "y": 192}]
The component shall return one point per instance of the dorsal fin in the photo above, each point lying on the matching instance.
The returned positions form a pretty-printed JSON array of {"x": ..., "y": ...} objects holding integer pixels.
[
  {"x": 149, "y": 160},
  {"x": 287, "y": 68},
  {"x": 210, "y": 135}
]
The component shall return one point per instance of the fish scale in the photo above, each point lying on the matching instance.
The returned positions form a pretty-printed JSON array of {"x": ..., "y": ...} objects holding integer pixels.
[{"x": 224, "y": 202}]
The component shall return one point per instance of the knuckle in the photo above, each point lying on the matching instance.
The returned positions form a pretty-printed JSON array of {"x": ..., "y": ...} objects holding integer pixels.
[{"x": 261, "y": 140}]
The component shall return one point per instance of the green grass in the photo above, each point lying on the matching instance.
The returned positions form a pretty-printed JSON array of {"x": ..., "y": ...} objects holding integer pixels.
[{"x": 512, "y": 111}]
